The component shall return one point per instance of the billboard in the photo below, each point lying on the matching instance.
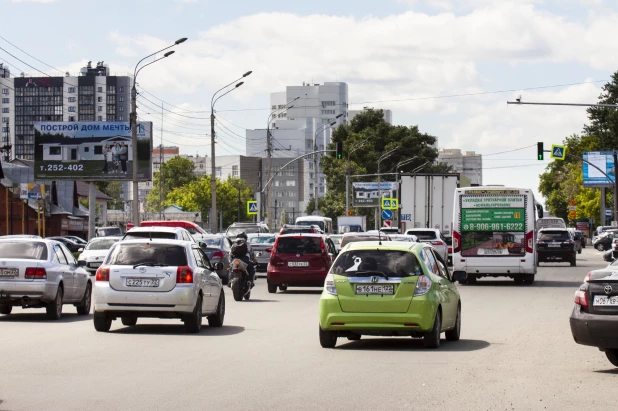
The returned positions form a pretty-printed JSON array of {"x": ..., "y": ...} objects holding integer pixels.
[
  {"x": 603, "y": 160},
  {"x": 368, "y": 195},
  {"x": 91, "y": 150}
]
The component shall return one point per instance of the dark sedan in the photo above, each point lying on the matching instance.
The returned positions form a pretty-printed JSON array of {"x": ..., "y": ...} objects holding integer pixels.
[
  {"x": 594, "y": 320},
  {"x": 217, "y": 248},
  {"x": 604, "y": 242},
  {"x": 73, "y": 246}
]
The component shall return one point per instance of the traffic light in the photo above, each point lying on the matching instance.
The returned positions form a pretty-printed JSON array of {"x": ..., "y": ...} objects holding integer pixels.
[
  {"x": 539, "y": 147},
  {"x": 339, "y": 151}
]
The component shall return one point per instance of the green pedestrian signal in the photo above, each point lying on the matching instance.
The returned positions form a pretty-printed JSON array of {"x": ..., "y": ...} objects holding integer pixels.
[
  {"x": 539, "y": 147},
  {"x": 339, "y": 151}
]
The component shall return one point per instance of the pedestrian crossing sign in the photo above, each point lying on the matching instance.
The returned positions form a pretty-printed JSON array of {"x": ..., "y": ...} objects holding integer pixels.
[
  {"x": 558, "y": 152},
  {"x": 390, "y": 204},
  {"x": 252, "y": 207}
]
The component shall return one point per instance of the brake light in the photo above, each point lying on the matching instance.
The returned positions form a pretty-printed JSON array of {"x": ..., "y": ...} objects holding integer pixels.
[
  {"x": 329, "y": 285},
  {"x": 423, "y": 285},
  {"x": 529, "y": 239},
  {"x": 274, "y": 249},
  {"x": 436, "y": 242},
  {"x": 580, "y": 298},
  {"x": 102, "y": 273},
  {"x": 323, "y": 246},
  {"x": 456, "y": 242},
  {"x": 35, "y": 273},
  {"x": 218, "y": 254},
  {"x": 184, "y": 275},
  {"x": 268, "y": 250}
]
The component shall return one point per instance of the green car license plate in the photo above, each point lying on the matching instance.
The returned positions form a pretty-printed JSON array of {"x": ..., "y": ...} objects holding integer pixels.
[{"x": 375, "y": 289}]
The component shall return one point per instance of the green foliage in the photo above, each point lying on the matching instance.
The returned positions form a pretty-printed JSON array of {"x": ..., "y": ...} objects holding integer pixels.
[
  {"x": 176, "y": 172},
  {"x": 114, "y": 190}
]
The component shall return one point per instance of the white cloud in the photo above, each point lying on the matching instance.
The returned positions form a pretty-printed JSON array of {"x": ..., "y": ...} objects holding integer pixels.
[{"x": 33, "y": 1}]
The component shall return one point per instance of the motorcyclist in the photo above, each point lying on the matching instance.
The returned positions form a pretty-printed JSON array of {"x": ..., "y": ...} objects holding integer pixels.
[{"x": 248, "y": 258}]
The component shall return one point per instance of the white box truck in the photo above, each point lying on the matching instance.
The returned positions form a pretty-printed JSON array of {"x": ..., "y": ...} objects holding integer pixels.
[
  {"x": 426, "y": 201},
  {"x": 356, "y": 223}
]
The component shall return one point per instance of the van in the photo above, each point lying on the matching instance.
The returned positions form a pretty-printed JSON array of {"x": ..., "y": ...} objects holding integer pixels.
[{"x": 194, "y": 229}]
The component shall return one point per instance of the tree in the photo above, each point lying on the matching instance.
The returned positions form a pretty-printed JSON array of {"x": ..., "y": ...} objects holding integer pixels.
[
  {"x": 176, "y": 172},
  {"x": 114, "y": 190},
  {"x": 283, "y": 219},
  {"x": 604, "y": 120}
]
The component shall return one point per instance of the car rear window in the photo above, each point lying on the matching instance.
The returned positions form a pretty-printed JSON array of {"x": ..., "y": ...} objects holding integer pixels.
[
  {"x": 140, "y": 235},
  {"x": 104, "y": 232},
  {"x": 104, "y": 244},
  {"x": 356, "y": 238},
  {"x": 555, "y": 236},
  {"x": 132, "y": 254},
  {"x": 35, "y": 250},
  {"x": 297, "y": 230},
  {"x": 234, "y": 231},
  {"x": 262, "y": 240},
  {"x": 212, "y": 242},
  {"x": 299, "y": 245},
  {"x": 367, "y": 263},
  {"x": 424, "y": 235}
]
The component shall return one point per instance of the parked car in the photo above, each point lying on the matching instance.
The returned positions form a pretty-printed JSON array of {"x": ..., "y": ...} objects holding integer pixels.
[
  {"x": 195, "y": 230},
  {"x": 433, "y": 237},
  {"x": 555, "y": 244},
  {"x": 262, "y": 245},
  {"x": 299, "y": 260},
  {"x": 94, "y": 253},
  {"x": 158, "y": 279},
  {"x": 78, "y": 240},
  {"x": 392, "y": 289},
  {"x": 594, "y": 319},
  {"x": 217, "y": 249},
  {"x": 247, "y": 228},
  {"x": 108, "y": 231},
  {"x": 368, "y": 236},
  {"x": 336, "y": 239},
  {"x": 170, "y": 233},
  {"x": 390, "y": 230},
  {"x": 403, "y": 238},
  {"x": 70, "y": 244},
  {"x": 20, "y": 236},
  {"x": 604, "y": 241},
  {"x": 41, "y": 273}
]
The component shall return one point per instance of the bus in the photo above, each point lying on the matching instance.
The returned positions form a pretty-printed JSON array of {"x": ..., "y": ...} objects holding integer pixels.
[
  {"x": 325, "y": 223},
  {"x": 494, "y": 233}
]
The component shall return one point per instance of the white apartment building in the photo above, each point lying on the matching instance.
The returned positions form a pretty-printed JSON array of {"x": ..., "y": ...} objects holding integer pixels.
[{"x": 468, "y": 164}]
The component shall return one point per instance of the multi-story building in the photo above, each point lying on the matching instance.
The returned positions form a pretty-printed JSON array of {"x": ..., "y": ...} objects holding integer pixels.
[
  {"x": 246, "y": 168},
  {"x": 200, "y": 165},
  {"x": 93, "y": 95},
  {"x": 388, "y": 114},
  {"x": 287, "y": 189},
  {"x": 469, "y": 164}
]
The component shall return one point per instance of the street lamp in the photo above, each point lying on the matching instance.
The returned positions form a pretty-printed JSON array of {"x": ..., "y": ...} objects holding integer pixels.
[
  {"x": 331, "y": 122},
  {"x": 213, "y": 178},
  {"x": 347, "y": 176},
  {"x": 135, "y": 203}
]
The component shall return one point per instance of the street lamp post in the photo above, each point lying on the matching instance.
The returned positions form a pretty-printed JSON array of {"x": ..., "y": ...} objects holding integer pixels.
[
  {"x": 331, "y": 122},
  {"x": 213, "y": 178},
  {"x": 135, "y": 203},
  {"x": 347, "y": 176}
]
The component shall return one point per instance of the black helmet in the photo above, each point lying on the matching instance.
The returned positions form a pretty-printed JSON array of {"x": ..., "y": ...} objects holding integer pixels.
[{"x": 242, "y": 235}]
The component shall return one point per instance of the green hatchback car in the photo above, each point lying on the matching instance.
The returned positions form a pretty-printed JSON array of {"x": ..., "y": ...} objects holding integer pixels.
[{"x": 390, "y": 289}]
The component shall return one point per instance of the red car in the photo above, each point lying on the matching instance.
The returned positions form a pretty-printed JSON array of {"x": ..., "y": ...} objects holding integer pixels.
[{"x": 299, "y": 260}]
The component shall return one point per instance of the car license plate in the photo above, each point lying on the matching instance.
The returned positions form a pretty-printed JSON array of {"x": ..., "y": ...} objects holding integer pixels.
[
  {"x": 375, "y": 289},
  {"x": 605, "y": 300},
  {"x": 298, "y": 264},
  {"x": 142, "y": 282},
  {"x": 553, "y": 245},
  {"x": 9, "y": 272},
  {"x": 95, "y": 265},
  {"x": 258, "y": 254},
  {"x": 492, "y": 251}
]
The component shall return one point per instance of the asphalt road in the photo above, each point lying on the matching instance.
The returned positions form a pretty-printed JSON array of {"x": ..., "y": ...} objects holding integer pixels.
[{"x": 516, "y": 353}]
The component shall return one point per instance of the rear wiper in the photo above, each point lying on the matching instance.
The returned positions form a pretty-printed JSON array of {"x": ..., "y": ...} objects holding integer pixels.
[
  {"x": 149, "y": 265},
  {"x": 380, "y": 273}
]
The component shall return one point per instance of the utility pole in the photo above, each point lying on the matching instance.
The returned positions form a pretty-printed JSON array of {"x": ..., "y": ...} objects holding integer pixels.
[
  {"x": 275, "y": 216},
  {"x": 266, "y": 206},
  {"x": 161, "y": 169},
  {"x": 239, "y": 202},
  {"x": 213, "y": 178}
]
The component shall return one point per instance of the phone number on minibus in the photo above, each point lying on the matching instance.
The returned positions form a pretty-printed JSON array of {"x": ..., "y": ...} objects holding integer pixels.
[{"x": 493, "y": 227}]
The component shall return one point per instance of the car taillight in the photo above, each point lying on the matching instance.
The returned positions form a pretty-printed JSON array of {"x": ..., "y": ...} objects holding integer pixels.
[
  {"x": 423, "y": 285},
  {"x": 274, "y": 249},
  {"x": 184, "y": 275},
  {"x": 456, "y": 242},
  {"x": 35, "y": 273},
  {"x": 323, "y": 246},
  {"x": 218, "y": 254},
  {"x": 102, "y": 273},
  {"x": 268, "y": 250},
  {"x": 450, "y": 250},
  {"x": 587, "y": 277},
  {"x": 436, "y": 242},
  {"x": 329, "y": 284},
  {"x": 580, "y": 298},
  {"x": 529, "y": 239}
]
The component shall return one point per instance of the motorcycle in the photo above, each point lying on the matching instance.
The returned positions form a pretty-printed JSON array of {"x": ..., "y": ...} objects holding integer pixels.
[{"x": 239, "y": 280}]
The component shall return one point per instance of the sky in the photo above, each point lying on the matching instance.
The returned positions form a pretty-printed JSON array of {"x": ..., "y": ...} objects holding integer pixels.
[{"x": 447, "y": 66}]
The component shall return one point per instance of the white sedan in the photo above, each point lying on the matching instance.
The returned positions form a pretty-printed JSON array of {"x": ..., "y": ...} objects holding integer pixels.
[
  {"x": 95, "y": 252},
  {"x": 158, "y": 278}
]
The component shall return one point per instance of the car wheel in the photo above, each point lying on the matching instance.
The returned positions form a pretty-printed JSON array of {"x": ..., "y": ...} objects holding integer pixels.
[
  {"x": 432, "y": 338},
  {"x": 283, "y": 288},
  {"x": 54, "y": 309},
  {"x": 612, "y": 356},
  {"x": 529, "y": 279},
  {"x": 272, "y": 289},
  {"x": 579, "y": 251},
  {"x": 102, "y": 322},
  {"x": 217, "y": 319},
  {"x": 354, "y": 337},
  {"x": 573, "y": 262},
  {"x": 518, "y": 279},
  {"x": 600, "y": 247},
  {"x": 129, "y": 321},
  {"x": 471, "y": 279},
  {"x": 453, "y": 335},
  {"x": 193, "y": 321},
  {"x": 6, "y": 309},
  {"x": 84, "y": 306},
  {"x": 328, "y": 339}
]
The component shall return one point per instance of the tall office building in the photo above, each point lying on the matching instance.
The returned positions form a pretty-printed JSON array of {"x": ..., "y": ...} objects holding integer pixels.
[{"x": 468, "y": 164}]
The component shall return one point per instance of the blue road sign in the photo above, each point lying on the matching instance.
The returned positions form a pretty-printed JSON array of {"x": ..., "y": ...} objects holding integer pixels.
[
  {"x": 387, "y": 214},
  {"x": 608, "y": 213}
]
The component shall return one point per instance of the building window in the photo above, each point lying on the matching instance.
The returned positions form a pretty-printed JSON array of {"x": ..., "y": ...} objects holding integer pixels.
[
  {"x": 328, "y": 103},
  {"x": 277, "y": 183},
  {"x": 5, "y": 91},
  {"x": 121, "y": 99},
  {"x": 99, "y": 99},
  {"x": 328, "y": 111},
  {"x": 121, "y": 108},
  {"x": 279, "y": 193},
  {"x": 71, "y": 89},
  {"x": 54, "y": 151},
  {"x": 100, "y": 118},
  {"x": 5, "y": 100},
  {"x": 71, "y": 99},
  {"x": 100, "y": 108},
  {"x": 291, "y": 194},
  {"x": 290, "y": 173},
  {"x": 122, "y": 89},
  {"x": 71, "y": 118},
  {"x": 86, "y": 149},
  {"x": 308, "y": 143},
  {"x": 72, "y": 109},
  {"x": 100, "y": 89},
  {"x": 235, "y": 171},
  {"x": 98, "y": 149},
  {"x": 201, "y": 166},
  {"x": 120, "y": 118},
  {"x": 5, "y": 129},
  {"x": 5, "y": 119},
  {"x": 218, "y": 171},
  {"x": 5, "y": 110},
  {"x": 290, "y": 183},
  {"x": 291, "y": 204},
  {"x": 321, "y": 190}
]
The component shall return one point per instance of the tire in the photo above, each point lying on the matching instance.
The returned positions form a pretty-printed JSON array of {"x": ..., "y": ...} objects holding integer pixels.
[
  {"x": 193, "y": 321},
  {"x": 612, "y": 356},
  {"x": 102, "y": 322},
  {"x": 247, "y": 296},
  {"x": 432, "y": 338},
  {"x": 129, "y": 321},
  {"x": 54, "y": 309},
  {"x": 237, "y": 290},
  {"x": 328, "y": 339},
  {"x": 529, "y": 279},
  {"x": 216, "y": 320},
  {"x": 84, "y": 306},
  {"x": 6, "y": 309},
  {"x": 272, "y": 289},
  {"x": 573, "y": 262},
  {"x": 538, "y": 262},
  {"x": 518, "y": 279},
  {"x": 471, "y": 279},
  {"x": 354, "y": 337},
  {"x": 453, "y": 335},
  {"x": 579, "y": 251},
  {"x": 600, "y": 247},
  {"x": 283, "y": 288}
]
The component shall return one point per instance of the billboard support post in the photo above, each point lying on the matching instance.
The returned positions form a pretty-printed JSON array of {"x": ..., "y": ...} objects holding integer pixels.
[
  {"x": 615, "y": 188},
  {"x": 135, "y": 203},
  {"x": 92, "y": 209}
]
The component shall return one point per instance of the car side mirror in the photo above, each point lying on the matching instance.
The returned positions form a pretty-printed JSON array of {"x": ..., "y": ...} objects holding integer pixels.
[
  {"x": 81, "y": 263},
  {"x": 80, "y": 250},
  {"x": 202, "y": 244},
  {"x": 459, "y": 276},
  {"x": 218, "y": 266}
]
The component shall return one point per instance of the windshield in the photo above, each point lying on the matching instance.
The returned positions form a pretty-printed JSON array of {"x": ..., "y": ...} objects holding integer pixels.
[
  {"x": 262, "y": 240},
  {"x": 356, "y": 238},
  {"x": 296, "y": 230},
  {"x": 212, "y": 241},
  {"x": 299, "y": 245},
  {"x": 423, "y": 235},
  {"x": 366, "y": 263},
  {"x": 196, "y": 230},
  {"x": 336, "y": 239},
  {"x": 318, "y": 223},
  {"x": 132, "y": 254},
  {"x": 102, "y": 244},
  {"x": 234, "y": 231},
  {"x": 140, "y": 235},
  {"x": 106, "y": 232},
  {"x": 554, "y": 236},
  {"x": 23, "y": 250}
]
